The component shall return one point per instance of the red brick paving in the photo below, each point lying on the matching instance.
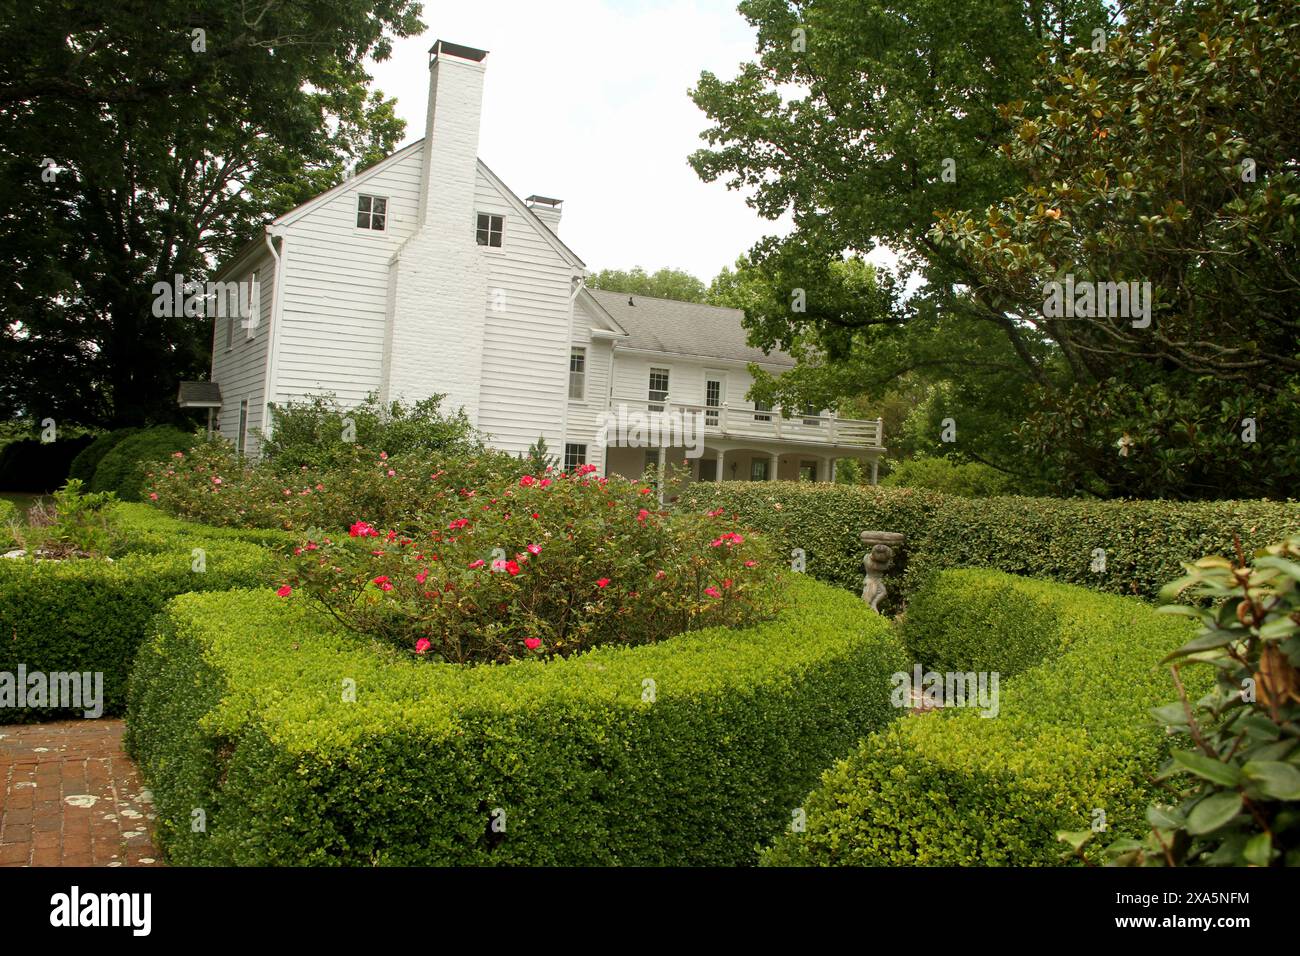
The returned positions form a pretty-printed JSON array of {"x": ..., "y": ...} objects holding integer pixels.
[{"x": 70, "y": 796}]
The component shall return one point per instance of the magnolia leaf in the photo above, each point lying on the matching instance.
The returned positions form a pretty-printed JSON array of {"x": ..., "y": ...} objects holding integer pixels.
[
  {"x": 1171, "y": 714},
  {"x": 1259, "y": 849},
  {"x": 1215, "y": 771},
  {"x": 1290, "y": 568},
  {"x": 1214, "y": 639},
  {"x": 1213, "y": 812},
  {"x": 1076, "y": 838},
  {"x": 1281, "y": 781},
  {"x": 1165, "y": 818}
]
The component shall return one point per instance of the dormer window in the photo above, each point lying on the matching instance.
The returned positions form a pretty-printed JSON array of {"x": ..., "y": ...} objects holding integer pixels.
[
  {"x": 372, "y": 212},
  {"x": 490, "y": 229}
]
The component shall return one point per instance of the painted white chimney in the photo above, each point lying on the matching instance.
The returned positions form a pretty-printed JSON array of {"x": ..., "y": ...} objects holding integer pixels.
[
  {"x": 548, "y": 210},
  {"x": 439, "y": 279}
]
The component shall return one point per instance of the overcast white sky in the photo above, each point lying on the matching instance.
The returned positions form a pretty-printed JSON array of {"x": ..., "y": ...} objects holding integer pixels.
[{"x": 585, "y": 101}]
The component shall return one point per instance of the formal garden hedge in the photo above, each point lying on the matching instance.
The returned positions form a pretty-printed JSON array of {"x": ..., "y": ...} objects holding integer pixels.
[
  {"x": 1073, "y": 735},
  {"x": 691, "y": 751},
  {"x": 1144, "y": 542},
  {"x": 92, "y": 614}
]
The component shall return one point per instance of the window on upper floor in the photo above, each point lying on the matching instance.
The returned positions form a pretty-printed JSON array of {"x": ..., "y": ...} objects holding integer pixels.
[
  {"x": 578, "y": 374},
  {"x": 658, "y": 391},
  {"x": 242, "y": 439},
  {"x": 490, "y": 230},
  {"x": 574, "y": 455},
  {"x": 762, "y": 411},
  {"x": 372, "y": 212}
]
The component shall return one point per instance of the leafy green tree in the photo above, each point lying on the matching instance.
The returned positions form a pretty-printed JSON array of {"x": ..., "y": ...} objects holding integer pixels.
[
  {"x": 1124, "y": 157},
  {"x": 664, "y": 284},
  {"x": 172, "y": 131}
]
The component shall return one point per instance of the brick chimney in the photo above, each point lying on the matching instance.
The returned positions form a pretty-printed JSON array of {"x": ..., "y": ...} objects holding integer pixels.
[{"x": 438, "y": 285}]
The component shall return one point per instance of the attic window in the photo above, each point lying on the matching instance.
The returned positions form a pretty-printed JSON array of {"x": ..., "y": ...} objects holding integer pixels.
[
  {"x": 372, "y": 212},
  {"x": 490, "y": 229}
]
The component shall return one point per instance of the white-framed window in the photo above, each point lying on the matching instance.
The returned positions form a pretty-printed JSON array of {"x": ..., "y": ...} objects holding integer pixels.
[
  {"x": 658, "y": 389},
  {"x": 490, "y": 230},
  {"x": 372, "y": 212},
  {"x": 243, "y": 426},
  {"x": 577, "y": 373},
  {"x": 812, "y": 415},
  {"x": 762, "y": 411},
  {"x": 807, "y": 471},
  {"x": 715, "y": 389},
  {"x": 758, "y": 469},
  {"x": 252, "y": 306},
  {"x": 574, "y": 455}
]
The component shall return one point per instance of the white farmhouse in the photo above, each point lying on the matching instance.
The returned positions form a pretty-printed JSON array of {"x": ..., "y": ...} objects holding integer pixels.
[{"x": 426, "y": 274}]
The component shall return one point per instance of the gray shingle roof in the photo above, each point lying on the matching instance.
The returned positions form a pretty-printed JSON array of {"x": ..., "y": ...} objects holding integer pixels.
[
  {"x": 199, "y": 394},
  {"x": 666, "y": 325}
]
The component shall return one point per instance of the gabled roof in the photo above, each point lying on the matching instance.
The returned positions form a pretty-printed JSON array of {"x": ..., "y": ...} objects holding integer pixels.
[
  {"x": 686, "y": 328},
  {"x": 199, "y": 395}
]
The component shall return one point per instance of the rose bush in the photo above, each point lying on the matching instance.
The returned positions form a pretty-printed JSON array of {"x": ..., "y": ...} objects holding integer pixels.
[
  {"x": 214, "y": 485},
  {"x": 548, "y": 564}
]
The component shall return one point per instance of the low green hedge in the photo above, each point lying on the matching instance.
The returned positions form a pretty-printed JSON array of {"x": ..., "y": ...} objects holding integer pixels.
[
  {"x": 90, "y": 615},
  {"x": 237, "y": 709},
  {"x": 1073, "y": 735},
  {"x": 147, "y": 528},
  {"x": 1145, "y": 542}
]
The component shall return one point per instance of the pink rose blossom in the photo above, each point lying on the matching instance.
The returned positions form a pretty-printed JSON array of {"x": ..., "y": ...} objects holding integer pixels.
[
  {"x": 422, "y": 645},
  {"x": 284, "y": 591},
  {"x": 532, "y": 643}
]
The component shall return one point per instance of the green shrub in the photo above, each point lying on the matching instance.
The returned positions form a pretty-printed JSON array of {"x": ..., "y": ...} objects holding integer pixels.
[
  {"x": 539, "y": 567},
  {"x": 71, "y": 524},
  {"x": 91, "y": 615},
  {"x": 1073, "y": 737},
  {"x": 1144, "y": 542},
  {"x": 694, "y": 750},
  {"x": 148, "y": 528},
  {"x": 318, "y": 432},
  {"x": 1238, "y": 789},
  {"x": 11, "y": 517},
  {"x": 33, "y": 465},
  {"x": 84, "y": 465},
  {"x": 122, "y": 469},
  {"x": 969, "y": 479},
  {"x": 214, "y": 485}
]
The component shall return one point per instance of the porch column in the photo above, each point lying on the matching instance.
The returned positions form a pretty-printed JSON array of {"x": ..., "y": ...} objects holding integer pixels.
[
  {"x": 873, "y": 471},
  {"x": 717, "y": 475},
  {"x": 833, "y": 462},
  {"x": 776, "y": 464}
]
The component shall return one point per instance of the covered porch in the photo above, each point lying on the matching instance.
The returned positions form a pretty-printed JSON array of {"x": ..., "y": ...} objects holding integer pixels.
[{"x": 744, "y": 461}]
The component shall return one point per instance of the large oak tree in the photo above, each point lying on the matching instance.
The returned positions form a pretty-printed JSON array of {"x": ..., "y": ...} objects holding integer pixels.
[{"x": 140, "y": 139}]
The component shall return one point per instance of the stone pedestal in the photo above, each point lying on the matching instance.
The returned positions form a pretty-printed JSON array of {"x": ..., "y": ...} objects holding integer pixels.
[{"x": 882, "y": 547}]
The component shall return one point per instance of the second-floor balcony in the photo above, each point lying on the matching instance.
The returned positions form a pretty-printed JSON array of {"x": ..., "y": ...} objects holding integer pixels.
[{"x": 747, "y": 422}]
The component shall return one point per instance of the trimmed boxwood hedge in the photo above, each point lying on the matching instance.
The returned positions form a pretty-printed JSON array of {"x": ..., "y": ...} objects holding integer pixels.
[
  {"x": 149, "y": 529},
  {"x": 237, "y": 709},
  {"x": 1073, "y": 735},
  {"x": 1145, "y": 542},
  {"x": 88, "y": 615},
  {"x": 92, "y": 615}
]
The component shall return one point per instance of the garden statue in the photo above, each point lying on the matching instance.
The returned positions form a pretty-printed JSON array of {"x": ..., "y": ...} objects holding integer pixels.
[{"x": 877, "y": 561}]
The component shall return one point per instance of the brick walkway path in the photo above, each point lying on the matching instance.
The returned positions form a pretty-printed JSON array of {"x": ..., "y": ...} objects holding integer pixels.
[{"x": 69, "y": 796}]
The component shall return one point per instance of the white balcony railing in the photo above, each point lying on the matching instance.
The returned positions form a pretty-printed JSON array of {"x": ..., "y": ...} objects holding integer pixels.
[{"x": 724, "y": 421}]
